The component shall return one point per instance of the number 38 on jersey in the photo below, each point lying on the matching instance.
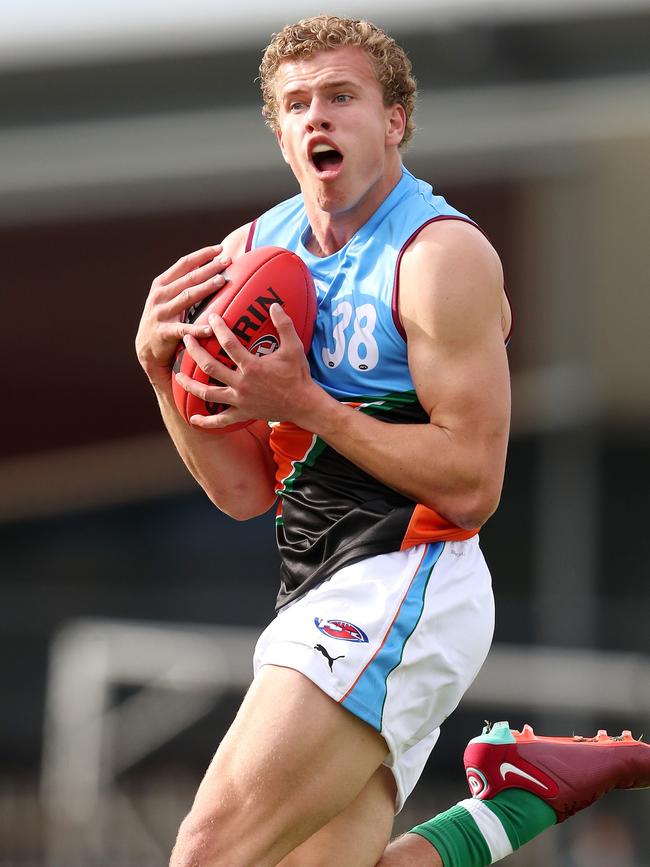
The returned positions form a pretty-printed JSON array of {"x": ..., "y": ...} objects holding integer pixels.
[{"x": 353, "y": 337}]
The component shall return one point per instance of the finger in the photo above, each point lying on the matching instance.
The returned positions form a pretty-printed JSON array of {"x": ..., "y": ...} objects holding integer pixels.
[
  {"x": 218, "y": 421},
  {"x": 186, "y": 299},
  {"x": 182, "y": 287},
  {"x": 229, "y": 342},
  {"x": 205, "y": 391},
  {"x": 284, "y": 325},
  {"x": 208, "y": 363},
  {"x": 175, "y": 331},
  {"x": 190, "y": 262}
]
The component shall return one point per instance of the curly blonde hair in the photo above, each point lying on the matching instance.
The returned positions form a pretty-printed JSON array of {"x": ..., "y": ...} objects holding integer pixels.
[{"x": 325, "y": 32}]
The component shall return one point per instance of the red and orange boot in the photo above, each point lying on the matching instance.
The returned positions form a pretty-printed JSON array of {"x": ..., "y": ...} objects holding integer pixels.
[{"x": 567, "y": 773}]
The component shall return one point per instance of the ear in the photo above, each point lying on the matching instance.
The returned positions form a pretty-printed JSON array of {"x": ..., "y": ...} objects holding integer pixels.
[
  {"x": 395, "y": 124},
  {"x": 278, "y": 135}
]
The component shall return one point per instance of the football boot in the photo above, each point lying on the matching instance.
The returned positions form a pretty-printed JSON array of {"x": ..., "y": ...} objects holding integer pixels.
[{"x": 567, "y": 773}]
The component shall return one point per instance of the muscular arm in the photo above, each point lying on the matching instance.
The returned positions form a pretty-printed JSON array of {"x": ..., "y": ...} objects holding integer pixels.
[
  {"x": 451, "y": 304},
  {"x": 451, "y": 290},
  {"x": 236, "y": 469}
]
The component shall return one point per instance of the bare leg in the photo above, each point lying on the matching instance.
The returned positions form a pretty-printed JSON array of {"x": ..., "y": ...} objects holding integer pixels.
[
  {"x": 358, "y": 835},
  {"x": 292, "y": 760},
  {"x": 410, "y": 850}
]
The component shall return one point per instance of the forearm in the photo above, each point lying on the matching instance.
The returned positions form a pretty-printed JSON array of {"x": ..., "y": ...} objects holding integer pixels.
[
  {"x": 457, "y": 476},
  {"x": 234, "y": 469}
]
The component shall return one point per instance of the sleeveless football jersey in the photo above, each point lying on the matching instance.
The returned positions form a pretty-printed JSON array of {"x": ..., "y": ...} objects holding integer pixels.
[{"x": 330, "y": 512}]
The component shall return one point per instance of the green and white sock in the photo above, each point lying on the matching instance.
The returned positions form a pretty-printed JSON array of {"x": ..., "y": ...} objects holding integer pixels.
[{"x": 477, "y": 833}]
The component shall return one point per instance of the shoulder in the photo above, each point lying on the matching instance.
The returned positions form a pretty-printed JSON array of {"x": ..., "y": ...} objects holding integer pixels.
[
  {"x": 234, "y": 244},
  {"x": 450, "y": 273},
  {"x": 453, "y": 245}
]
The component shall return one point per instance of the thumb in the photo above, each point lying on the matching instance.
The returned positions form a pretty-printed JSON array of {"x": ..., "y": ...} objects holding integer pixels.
[{"x": 283, "y": 324}]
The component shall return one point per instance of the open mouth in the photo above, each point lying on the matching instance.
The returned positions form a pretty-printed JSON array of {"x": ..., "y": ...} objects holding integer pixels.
[{"x": 326, "y": 158}]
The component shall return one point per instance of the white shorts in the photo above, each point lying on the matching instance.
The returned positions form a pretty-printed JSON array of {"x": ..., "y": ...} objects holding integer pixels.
[{"x": 395, "y": 639}]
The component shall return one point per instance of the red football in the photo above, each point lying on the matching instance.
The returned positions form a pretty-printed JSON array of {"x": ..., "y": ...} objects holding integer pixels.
[{"x": 256, "y": 280}]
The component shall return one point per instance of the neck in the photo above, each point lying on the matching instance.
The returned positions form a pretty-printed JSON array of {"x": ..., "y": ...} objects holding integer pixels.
[{"x": 332, "y": 229}]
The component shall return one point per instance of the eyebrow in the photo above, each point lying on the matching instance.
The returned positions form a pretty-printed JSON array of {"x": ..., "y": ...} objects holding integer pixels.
[{"x": 344, "y": 84}]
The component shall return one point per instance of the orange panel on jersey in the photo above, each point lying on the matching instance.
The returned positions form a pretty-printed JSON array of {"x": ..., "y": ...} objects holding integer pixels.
[
  {"x": 428, "y": 526},
  {"x": 290, "y": 445}
]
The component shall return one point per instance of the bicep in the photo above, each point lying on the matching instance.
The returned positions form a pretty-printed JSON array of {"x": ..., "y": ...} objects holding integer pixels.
[
  {"x": 451, "y": 306},
  {"x": 261, "y": 433},
  {"x": 237, "y": 471},
  {"x": 463, "y": 389}
]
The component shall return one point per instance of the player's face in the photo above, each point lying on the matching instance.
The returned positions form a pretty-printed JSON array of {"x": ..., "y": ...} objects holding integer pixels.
[{"x": 335, "y": 131}]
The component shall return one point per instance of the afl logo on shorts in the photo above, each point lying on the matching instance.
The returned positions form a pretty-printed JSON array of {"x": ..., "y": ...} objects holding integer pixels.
[
  {"x": 265, "y": 345},
  {"x": 341, "y": 629}
]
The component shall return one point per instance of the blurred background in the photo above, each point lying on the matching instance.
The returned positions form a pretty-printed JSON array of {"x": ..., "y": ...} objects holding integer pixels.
[{"x": 130, "y": 134}]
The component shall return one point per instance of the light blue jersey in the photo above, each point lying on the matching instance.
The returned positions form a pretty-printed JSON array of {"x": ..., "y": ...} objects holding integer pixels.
[
  {"x": 331, "y": 512},
  {"x": 358, "y": 348}
]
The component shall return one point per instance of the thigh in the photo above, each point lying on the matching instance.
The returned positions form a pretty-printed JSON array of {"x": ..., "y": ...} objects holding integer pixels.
[
  {"x": 358, "y": 835},
  {"x": 395, "y": 639},
  {"x": 291, "y": 761}
]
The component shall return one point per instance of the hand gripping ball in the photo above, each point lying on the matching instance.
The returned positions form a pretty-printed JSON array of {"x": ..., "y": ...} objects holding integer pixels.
[{"x": 256, "y": 280}]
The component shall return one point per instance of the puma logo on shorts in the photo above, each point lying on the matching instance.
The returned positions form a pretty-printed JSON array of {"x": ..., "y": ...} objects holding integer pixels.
[{"x": 331, "y": 660}]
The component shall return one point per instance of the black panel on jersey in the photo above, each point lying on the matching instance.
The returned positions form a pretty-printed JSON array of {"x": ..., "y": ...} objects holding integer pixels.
[{"x": 336, "y": 514}]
